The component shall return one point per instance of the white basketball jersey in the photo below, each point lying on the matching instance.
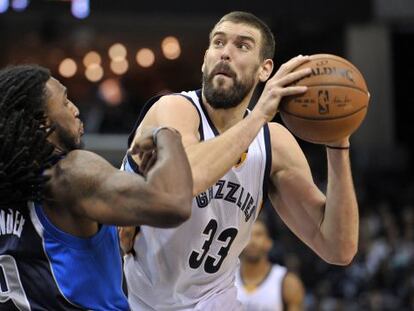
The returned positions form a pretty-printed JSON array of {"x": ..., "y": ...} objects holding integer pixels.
[
  {"x": 267, "y": 296},
  {"x": 184, "y": 267}
]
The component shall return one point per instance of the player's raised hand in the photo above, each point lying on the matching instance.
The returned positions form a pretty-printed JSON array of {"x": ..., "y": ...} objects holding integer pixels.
[
  {"x": 143, "y": 142},
  {"x": 281, "y": 85},
  {"x": 143, "y": 149}
]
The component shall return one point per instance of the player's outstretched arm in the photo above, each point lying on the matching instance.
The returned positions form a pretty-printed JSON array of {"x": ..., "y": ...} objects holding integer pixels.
[
  {"x": 328, "y": 224},
  {"x": 209, "y": 159},
  {"x": 93, "y": 188}
]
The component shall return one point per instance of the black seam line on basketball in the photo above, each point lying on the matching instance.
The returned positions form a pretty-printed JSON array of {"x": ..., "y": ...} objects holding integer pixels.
[
  {"x": 338, "y": 85},
  {"x": 341, "y": 61},
  {"x": 326, "y": 119}
]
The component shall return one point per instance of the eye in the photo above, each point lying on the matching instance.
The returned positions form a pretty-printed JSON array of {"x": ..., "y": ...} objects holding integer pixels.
[
  {"x": 243, "y": 46},
  {"x": 218, "y": 42}
]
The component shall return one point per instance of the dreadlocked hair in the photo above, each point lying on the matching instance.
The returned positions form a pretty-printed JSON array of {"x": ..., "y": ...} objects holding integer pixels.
[{"x": 25, "y": 151}]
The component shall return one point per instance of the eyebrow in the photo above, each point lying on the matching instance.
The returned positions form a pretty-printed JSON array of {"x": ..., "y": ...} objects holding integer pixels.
[{"x": 239, "y": 37}]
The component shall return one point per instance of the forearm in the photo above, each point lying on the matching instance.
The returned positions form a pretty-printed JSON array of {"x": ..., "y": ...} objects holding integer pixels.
[
  {"x": 211, "y": 159},
  {"x": 127, "y": 200},
  {"x": 340, "y": 222},
  {"x": 90, "y": 187},
  {"x": 172, "y": 172},
  {"x": 162, "y": 197}
]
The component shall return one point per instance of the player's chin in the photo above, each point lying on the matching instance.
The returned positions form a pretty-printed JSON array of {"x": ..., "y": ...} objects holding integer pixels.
[
  {"x": 223, "y": 82},
  {"x": 250, "y": 253},
  {"x": 251, "y": 258},
  {"x": 80, "y": 144}
]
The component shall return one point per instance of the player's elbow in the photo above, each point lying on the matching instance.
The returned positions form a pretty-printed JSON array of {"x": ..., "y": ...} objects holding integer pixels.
[
  {"x": 343, "y": 255},
  {"x": 181, "y": 206},
  {"x": 344, "y": 260}
]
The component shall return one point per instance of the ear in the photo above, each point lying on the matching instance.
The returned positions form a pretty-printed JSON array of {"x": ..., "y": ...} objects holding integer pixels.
[{"x": 265, "y": 70}]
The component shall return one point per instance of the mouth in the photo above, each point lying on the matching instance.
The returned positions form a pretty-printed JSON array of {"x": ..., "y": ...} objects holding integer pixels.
[
  {"x": 224, "y": 70},
  {"x": 225, "y": 74}
]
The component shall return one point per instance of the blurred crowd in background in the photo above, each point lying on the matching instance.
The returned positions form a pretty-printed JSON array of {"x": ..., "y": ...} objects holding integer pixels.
[
  {"x": 113, "y": 56},
  {"x": 381, "y": 276}
]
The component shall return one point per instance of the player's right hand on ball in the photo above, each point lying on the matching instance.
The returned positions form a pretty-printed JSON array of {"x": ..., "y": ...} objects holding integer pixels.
[{"x": 280, "y": 85}]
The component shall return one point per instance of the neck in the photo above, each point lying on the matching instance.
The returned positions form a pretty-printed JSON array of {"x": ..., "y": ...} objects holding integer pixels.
[
  {"x": 223, "y": 119},
  {"x": 59, "y": 149},
  {"x": 253, "y": 273}
]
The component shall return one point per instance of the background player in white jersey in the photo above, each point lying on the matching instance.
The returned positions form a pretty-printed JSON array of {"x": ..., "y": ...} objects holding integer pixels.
[
  {"x": 261, "y": 285},
  {"x": 233, "y": 154}
]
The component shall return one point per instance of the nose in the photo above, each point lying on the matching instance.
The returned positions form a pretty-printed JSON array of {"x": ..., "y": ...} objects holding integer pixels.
[
  {"x": 74, "y": 109},
  {"x": 225, "y": 57},
  {"x": 225, "y": 53}
]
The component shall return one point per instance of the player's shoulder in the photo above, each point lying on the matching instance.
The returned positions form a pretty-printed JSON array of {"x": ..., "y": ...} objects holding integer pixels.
[
  {"x": 78, "y": 156},
  {"x": 280, "y": 136},
  {"x": 173, "y": 110},
  {"x": 77, "y": 163},
  {"x": 78, "y": 171},
  {"x": 278, "y": 128},
  {"x": 286, "y": 151},
  {"x": 293, "y": 288},
  {"x": 175, "y": 101}
]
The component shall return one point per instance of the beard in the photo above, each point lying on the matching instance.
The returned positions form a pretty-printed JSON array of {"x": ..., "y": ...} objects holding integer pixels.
[
  {"x": 221, "y": 98},
  {"x": 67, "y": 142},
  {"x": 252, "y": 255},
  {"x": 251, "y": 259}
]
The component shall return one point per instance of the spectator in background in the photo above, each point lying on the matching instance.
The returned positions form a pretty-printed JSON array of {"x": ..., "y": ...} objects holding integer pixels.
[{"x": 261, "y": 285}]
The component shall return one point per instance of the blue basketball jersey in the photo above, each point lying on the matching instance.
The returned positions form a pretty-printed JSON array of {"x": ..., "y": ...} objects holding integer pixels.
[{"x": 44, "y": 268}]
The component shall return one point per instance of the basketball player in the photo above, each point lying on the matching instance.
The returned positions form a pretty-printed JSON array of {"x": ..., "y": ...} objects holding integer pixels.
[
  {"x": 262, "y": 286},
  {"x": 57, "y": 249},
  {"x": 233, "y": 154}
]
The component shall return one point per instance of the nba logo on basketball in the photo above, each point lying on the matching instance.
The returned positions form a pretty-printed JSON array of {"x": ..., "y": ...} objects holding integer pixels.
[{"x": 323, "y": 101}]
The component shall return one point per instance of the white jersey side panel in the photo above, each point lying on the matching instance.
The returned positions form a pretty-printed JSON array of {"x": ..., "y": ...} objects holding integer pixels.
[
  {"x": 267, "y": 296},
  {"x": 182, "y": 268}
]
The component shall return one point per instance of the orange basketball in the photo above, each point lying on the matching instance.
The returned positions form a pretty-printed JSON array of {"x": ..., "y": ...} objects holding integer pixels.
[{"x": 334, "y": 105}]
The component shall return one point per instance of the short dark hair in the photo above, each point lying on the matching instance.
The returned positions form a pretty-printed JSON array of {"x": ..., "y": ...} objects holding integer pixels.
[
  {"x": 25, "y": 151},
  {"x": 268, "y": 40}
]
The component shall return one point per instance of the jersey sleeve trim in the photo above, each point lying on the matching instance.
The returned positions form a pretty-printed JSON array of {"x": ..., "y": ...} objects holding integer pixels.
[
  {"x": 200, "y": 126},
  {"x": 266, "y": 176},
  {"x": 213, "y": 127}
]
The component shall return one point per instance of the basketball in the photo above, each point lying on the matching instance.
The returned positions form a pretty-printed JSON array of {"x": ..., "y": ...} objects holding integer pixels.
[{"x": 334, "y": 105}]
